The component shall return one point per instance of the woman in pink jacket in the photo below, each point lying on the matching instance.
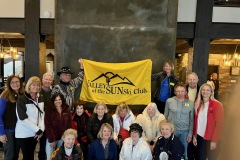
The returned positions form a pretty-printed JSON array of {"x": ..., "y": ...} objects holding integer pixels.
[{"x": 208, "y": 123}]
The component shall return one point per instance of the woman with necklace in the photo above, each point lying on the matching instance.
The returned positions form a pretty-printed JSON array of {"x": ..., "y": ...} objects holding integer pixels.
[
  {"x": 208, "y": 123},
  {"x": 30, "y": 114},
  {"x": 96, "y": 120},
  {"x": 58, "y": 119},
  {"x": 103, "y": 148},
  {"x": 8, "y": 116}
]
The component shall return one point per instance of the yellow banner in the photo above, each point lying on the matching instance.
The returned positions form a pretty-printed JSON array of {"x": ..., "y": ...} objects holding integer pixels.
[{"x": 113, "y": 83}]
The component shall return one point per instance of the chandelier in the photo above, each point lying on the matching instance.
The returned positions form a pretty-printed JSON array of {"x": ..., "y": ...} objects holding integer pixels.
[
  {"x": 231, "y": 59},
  {"x": 8, "y": 51}
]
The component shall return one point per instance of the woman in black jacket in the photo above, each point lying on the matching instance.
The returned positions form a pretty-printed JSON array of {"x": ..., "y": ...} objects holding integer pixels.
[
  {"x": 165, "y": 89},
  {"x": 96, "y": 120},
  {"x": 168, "y": 146},
  {"x": 8, "y": 117},
  {"x": 80, "y": 119}
]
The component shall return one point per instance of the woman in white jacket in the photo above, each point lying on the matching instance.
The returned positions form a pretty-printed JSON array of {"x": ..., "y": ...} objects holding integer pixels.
[
  {"x": 30, "y": 118},
  {"x": 135, "y": 147},
  {"x": 122, "y": 119},
  {"x": 149, "y": 120}
]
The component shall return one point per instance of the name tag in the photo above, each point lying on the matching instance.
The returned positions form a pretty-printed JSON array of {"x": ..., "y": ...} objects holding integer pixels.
[{"x": 187, "y": 105}]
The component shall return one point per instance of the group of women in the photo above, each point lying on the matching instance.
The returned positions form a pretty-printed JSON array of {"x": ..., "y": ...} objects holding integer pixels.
[{"x": 121, "y": 136}]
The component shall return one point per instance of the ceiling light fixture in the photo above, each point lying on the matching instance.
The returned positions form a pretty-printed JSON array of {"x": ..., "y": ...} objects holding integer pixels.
[{"x": 8, "y": 52}]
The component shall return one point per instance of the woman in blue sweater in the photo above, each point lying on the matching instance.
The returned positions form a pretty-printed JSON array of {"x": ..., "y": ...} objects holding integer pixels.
[
  {"x": 103, "y": 148},
  {"x": 8, "y": 117}
]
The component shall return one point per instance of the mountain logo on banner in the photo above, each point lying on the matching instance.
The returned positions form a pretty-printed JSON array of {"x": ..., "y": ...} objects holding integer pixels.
[{"x": 113, "y": 79}]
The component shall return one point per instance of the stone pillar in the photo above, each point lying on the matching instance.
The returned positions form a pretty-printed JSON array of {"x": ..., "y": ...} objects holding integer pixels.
[{"x": 115, "y": 31}]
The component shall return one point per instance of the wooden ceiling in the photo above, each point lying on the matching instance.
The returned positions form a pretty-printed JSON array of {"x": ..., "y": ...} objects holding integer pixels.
[
  {"x": 218, "y": 46},
  {"x": 227, "y": 3},
  {"x": 18, "y": 40}
]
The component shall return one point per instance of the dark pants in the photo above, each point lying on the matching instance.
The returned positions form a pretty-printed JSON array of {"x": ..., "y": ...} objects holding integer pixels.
[
  {"x": 203, "y": 149},
  {"x": 160, "y": 105},
  {"x": 42, "y": 143},
  {"x": 191, "y": 152},
  {"x": 216, "y": 95},
  {"x": 27, "y": 145},
  {"x": 84, "y": 147},
  {"x": 11, "y": 150}
]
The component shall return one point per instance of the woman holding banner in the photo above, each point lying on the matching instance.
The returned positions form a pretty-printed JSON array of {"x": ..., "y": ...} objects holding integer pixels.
[{"x": 165, "y": 89}]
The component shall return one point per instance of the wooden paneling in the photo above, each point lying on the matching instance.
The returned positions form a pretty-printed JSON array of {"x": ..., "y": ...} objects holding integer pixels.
[{"x": 15, "y": 25}]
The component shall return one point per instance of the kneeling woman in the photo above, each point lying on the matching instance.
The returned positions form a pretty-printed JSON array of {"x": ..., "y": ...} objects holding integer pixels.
[
  {"x": 68, "y": 150},
  {"x": 103, "y": 148},
  {"x": 168, "y": 146}
]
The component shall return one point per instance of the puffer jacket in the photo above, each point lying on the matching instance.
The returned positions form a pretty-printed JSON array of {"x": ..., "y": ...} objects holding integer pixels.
[
  {"x": 141, "y": 151},
  {"x": 128, "y": 120},
  {"x": 30, "y": 116}
]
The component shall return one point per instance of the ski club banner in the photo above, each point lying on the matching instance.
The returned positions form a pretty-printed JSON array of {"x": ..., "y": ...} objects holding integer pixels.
[{"x": 113, "y": 83}]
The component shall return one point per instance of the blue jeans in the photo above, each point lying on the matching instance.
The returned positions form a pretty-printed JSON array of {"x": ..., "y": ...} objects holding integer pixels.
[
  {"x": 182, "y": 135},
  {"x": 49, "y": 149}
]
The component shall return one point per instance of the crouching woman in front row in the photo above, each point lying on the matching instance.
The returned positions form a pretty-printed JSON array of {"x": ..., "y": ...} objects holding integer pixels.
[
  {"x": 68, "y": 150},
  {"x": 104, "y": 147},
  {"x": 168, "y": 146}
]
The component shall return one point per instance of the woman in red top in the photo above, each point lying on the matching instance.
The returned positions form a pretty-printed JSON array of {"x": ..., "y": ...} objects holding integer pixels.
[
  {"x": 58, "y": 118},
  {"x": 207, "y": 123}
]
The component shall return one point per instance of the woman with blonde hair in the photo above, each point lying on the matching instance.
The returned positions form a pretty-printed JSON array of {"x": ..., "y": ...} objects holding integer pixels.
[
  {"x": 8, "y": 98},
  {"x": 104, "y": 147},
  {"x": 168, "y": 146},
  {"x": 208, "y": 123},
  {"x": 68, "y": 150},
  {"x": 149, "y": 120},
  {"x": 166, "y": 82},
  {"x": 122, "y": 119},
  {"x": 30, "y": 114},
  {"x": 96, "y": 120}
]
